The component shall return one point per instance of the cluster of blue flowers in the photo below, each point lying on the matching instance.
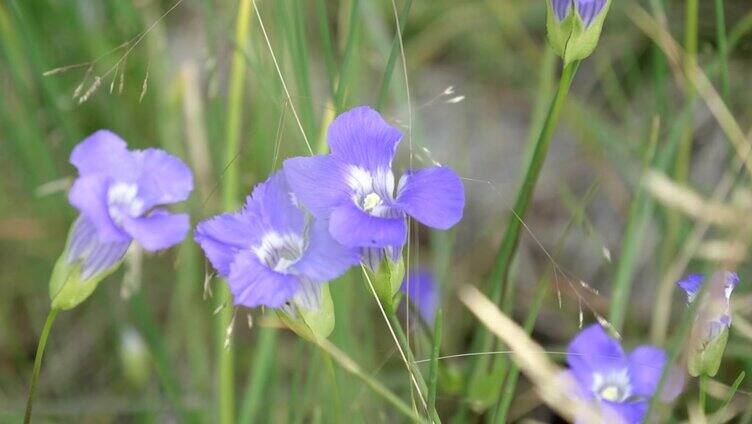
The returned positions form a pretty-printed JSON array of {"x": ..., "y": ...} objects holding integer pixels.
[{"x": 320, "y": 215}]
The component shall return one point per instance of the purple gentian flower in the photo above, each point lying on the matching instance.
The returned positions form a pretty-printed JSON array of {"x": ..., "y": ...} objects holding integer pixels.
[
  {"x": 119, "y": 193},
  {"x": 421, "y": 290},
  {"x": 717, "y": 314},
  {"x": 586, "y": 9},
  {"x": 270, "y": 251},
  {"x": 353, "y": 188},
  {"x": 621, "y": 384}
]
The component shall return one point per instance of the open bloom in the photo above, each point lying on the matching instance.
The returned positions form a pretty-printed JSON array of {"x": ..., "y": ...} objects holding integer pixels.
[
  {"x": 420, "y": 288},
  {"x": 621, "y": 384},
  {"x": 353, "y": 188},
  {"x": 270, "y": 251},
  {"x": 119, "y": 193}
]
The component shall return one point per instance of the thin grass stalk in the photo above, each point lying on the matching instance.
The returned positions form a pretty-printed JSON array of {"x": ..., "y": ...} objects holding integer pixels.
[
  {"x": 433, "y": 374},
  {"x": 720, "y": 27},
  {"x": 38, "y": 362},
  {"x": 230, "y": 196},
  {"x": 393, "y": 53},
  {"x": 350, "y": 366},
  {"x": 639, "y": 215},
  {"x": 261, "y": 366},
  {"x": 499, "y": 280},
  {"x": 345, "y": 69}
]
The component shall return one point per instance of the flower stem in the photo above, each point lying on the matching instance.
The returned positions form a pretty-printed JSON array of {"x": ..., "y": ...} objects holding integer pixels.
[
  {"x": 38, "y": 361},
  {"x": 499, "y": 281}
]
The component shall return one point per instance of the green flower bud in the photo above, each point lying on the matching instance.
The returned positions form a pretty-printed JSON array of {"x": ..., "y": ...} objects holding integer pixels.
[
  {"x": 387, "y": 280},
  {"x": 706, "y": 358},
  {"x": 574, "y": 26},
  {"x": 84, "y": 263},
  {"x": 311, "y": 313}
]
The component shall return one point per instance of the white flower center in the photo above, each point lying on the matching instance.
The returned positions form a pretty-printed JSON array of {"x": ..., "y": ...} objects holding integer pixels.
[
  {"x": 614, "y": 386},
  {"x": 371, "y": 192},
  {"x": 280, "y": 251},
  {"x": 123, "y": 201}
]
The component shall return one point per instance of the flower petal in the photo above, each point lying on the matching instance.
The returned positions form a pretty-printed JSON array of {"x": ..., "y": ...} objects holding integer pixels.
[
  {"x": 645, "y": 369},
  {"x": 319, "y": 183},
  {"x": 325, "y": 259},
  {"x": 253, "y": 284},
  {"x": 691, "y": 285},
  {"x": 96, "y": 256},
  {"x": 89, "y": 195},
  {"x": 592, "y": 350},
  {"x": 630, "y": 412},
  {"x": 589, "y": 9},
  {"x": 361, "y": 137},
  {"x": 354, "y": 228},
  {"x": 222, "y": 236},
  {"x": 434, "y": 196},
  {"x": 561, "y": 8},
  {"x": 159, "y": 230},
  {"x": 273, "y": 205},
  {"x": 105, "y": 153},
  {"x": 162, "y": 178}
]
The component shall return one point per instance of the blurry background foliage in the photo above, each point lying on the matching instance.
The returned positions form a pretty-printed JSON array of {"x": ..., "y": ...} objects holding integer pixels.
[{"x": 479, "y": 74}]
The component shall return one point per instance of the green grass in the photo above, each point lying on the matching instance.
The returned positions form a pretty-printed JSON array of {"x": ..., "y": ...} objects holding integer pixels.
[{"x": 234, "y": 101}]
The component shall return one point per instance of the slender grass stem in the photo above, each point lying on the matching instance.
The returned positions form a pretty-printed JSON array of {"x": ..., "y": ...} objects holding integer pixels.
[
  {"x": 261, "y": 367},
  {"x": 38, "y": 362},
  {"x": 349, "y": 365},
  {"x": 720, "y": 26},
  {"x": 433, "y": 374},
  {"x": 231, "y": 182},
  {"x": 499, "y": 280},
  {"x": 388, "y": 70}
]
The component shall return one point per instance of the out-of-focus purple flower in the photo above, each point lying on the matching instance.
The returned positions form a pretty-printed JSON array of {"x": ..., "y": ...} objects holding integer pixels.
[
  {"x": 621, "y": 384},
  {"x": 586, "y": 9},
  {"x": 119, "y": 193},
  {"x": 420, "y": 288},
  {"x": 270, "y": 251},
  {"x": 709, "y": 333},
  {"x": 353, "y": 188}
]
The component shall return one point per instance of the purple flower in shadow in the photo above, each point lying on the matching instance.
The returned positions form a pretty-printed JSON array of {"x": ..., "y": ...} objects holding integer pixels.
[
  {"x": 119, "y": 193},
  {"x": 421, "y": 290},
  {"x": 718, "y": 308},
  {"x": 353, "y": 188},
  {"x": 270, "y": 251},
  {"x": 621, "y": 384}
]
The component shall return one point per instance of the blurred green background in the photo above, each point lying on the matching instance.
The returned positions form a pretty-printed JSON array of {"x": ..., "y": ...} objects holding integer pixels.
[{"x": 479, "y": 76}]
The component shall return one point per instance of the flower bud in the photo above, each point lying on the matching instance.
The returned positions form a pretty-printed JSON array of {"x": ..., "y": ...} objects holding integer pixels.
[
  {"x": 85, "y": 262},
  {"x": 310, "y": 314},
  {"x": 386, "y": 278},
  {"x": 710, "y": 330},
  {"x": 574, "y": 26},
  {"x": 134, "y": 358}
]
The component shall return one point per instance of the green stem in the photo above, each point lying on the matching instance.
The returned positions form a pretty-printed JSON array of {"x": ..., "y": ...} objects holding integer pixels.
[
  {"x": 433, "y": 374},
  {"x": 720, "y": 24},
  {"x": 231, "y": 183},
  {"x": 38, "y": 362},
  {"x": 350, "y": 366},
  {"x": 702, "y": 387},
  {"x": 499, "y": 281},
  {"x": 411, "y": 364},
  {"x": 387, "y": 78}
]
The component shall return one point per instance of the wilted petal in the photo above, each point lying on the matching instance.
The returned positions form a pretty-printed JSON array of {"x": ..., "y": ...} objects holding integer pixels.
[
  {"x": 89, "y": 195},
  {"x": 253, "y": 284},
  {"x": 361, "y": 137},
  {"x": 162, "y": 178},
  {"x": 319, "y": 183},
  {"x": 325, "y": 259},
  {"x": 433, "y": 196},
  {"x": 353, "y": 227},
  {"x": 159, "y": 230},
  {"x": 104, "y": 153}
]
